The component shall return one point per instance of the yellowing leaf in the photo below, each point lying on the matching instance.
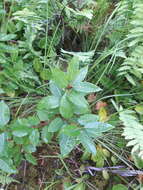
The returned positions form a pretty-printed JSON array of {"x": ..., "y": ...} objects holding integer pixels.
[
  {"x": 139, "y": 109},
  {"x": 11, "y": 93},
  {"x": 102, "y": 114}
]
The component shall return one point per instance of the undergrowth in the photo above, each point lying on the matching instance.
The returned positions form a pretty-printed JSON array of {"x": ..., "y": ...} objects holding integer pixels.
[{"x": 71, "y": 78}]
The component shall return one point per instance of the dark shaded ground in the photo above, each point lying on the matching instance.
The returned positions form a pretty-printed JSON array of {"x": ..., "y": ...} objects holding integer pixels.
[
  {"x": 34, "y": 177},
  {"x": 50, "y": 172}
]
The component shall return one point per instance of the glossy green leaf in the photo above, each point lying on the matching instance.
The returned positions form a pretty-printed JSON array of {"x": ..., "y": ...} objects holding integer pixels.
[
  {"x": 4, "y": 113},
  {"x": 34, "y": 137},
  {"x": 55, "y": 89},
  {"x": 97, "y": 128},
  {"x": 73, "y": 68},
  {"x": 80, "y": 110},
  {"x": 46, "y": 135},
  {"x": 67, "y": 143},
  {"x": 70, "y": 130},
  {"x": 78, "y": 99},
  {"x": 45, "y": 114},
  {"x": 87, "y": 142},
  {"x": 49, "y": 102},
  {"x": 81, "y": 75},
  {"x": 32, "y": 121},
  {"x": 59, "y": 77},
  {"x": 55, "y": 125},
  {"x": 29, "y": 148},
  {"x": 20, "y": 132},
  {"x": 86, "y": 87},
  {"x": 88, "y": 118},
  {"x": 66, "y": 109}
]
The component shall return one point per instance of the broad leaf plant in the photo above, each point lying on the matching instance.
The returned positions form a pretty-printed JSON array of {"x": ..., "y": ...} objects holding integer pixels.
[{"x": 64, "y": 115}]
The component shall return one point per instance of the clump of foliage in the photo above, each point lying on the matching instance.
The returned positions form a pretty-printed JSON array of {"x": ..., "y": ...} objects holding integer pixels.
[
  {"x": 132, "y": 66},
  {"x": 54, "y": 55},
  {"x": 65, "y": 112}
]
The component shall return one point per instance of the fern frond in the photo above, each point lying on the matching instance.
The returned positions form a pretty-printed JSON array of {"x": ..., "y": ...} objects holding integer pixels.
[
  {"x": 5, "y": 180},
  {"x": 120, "y": 24},
  {"x": 132, "y": 68},
  {"x": 124, "y": 9},
  {"x": 133, "y": 131},
  {"x": 133, "y": 65},
  {"x": 136, "y": 33}
]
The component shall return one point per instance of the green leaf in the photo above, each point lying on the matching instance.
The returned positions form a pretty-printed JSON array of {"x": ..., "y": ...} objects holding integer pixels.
[
  {"x": 45, "y": 115},
  {"x": 88, "y": 118},
  {"x": 119, "y": 187},
  {"x": 29, "y": 148},
  {"x": 70, "y": 130},
  {"x": 97, "y": 128},
  {"x": 55, "y": 90},
  {"x": 78, "y": 99},
  {"x": 21, "y": 128},
  {"x": 20, "y": 132},
  {"x": 49, "y": 102},
  {"x": 34, "y": 137},
  {"x": 86, "y": 87},
  {"x": 130, "y": 79},
  {"x": 6, "y": 180},
  {"x": 84, "y": 57},
  {"x": 81, "y": 110},
  {"x": 52, "y": 102},
  {"x": 87, "y": 142},
  {"x": 4, "y": 113},
  {"x": 67, "y": 143},
  {"x": 2, "y": 142},
  {"x": 137, "y": 159},
  {"x": 100, "y": 126},
  {"x": 139, "y": 109},
  {"x": 80, "y": 186},
  {"x": 46, "y": 135},
  {"x": 19, "y": 140},
  {"x": 32, "y": 121},
  {"x": 4, "y": 166},
  {"x": 60, "y": 78},
  {"x": 7, "y": 48},
  {"x": 45, "y": 74},
  {"x": 55, "y": 125},
  {"x": 66, "y": 109},
  {"x": 6, "y": 37},
  {"x": 1, "y": 91},
  {"x": 133, "y": 130},
  {"x": 73, "y": 68},
  {"x": 31, "y": 159},
  {"x": 37, "y": 65},
  {"x": 81, "y": 76}
]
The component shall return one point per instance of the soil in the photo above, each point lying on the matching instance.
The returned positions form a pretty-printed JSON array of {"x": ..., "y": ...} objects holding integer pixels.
[
  {"x": 37, "y": 177},
  {"x": 50, "y": 172}
]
